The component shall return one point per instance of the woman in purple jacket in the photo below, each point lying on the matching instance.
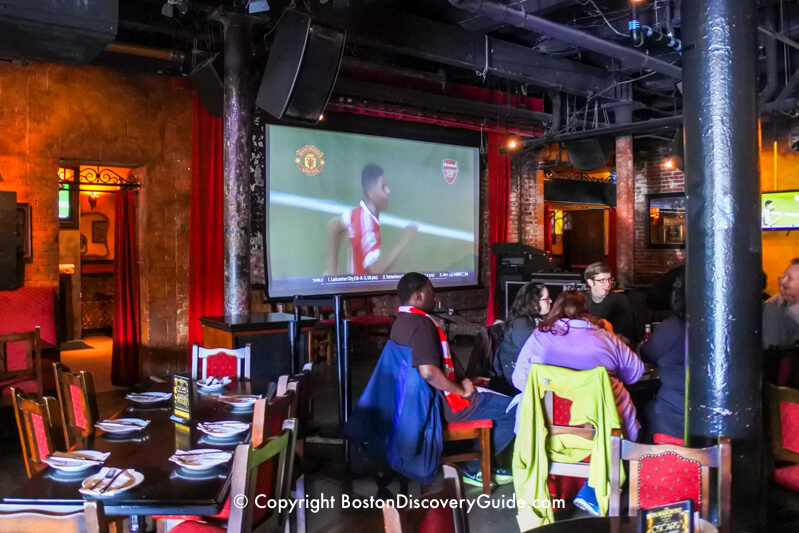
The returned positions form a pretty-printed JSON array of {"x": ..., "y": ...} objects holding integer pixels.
[{"x": 571, "y": 338}]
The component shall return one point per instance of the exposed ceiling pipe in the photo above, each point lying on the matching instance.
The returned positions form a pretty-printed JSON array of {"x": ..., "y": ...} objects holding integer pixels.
[
  {"x": 790, "y": 88},
  {"x": 780, "y": 37},
  {"x": 145, "y": 51},
  {"x": 771, "y": 61},
  {"x": 629, "y": 57},
  {"x": 644, "y": 126}
]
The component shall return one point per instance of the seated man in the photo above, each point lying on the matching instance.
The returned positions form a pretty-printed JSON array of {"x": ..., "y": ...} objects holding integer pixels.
[
  {"x": 430, "y": 355},
  {"x": 781, "y": 312},
  {"x": 606, "y": 304}
]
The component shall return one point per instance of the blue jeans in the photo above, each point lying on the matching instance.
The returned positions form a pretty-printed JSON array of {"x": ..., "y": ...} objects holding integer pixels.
[{"x": 493, "y": 406}]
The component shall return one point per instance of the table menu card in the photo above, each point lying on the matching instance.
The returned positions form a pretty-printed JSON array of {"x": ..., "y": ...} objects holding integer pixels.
[
  {"x": 672, "y": 518},
  {"x": 181, "y": 405}
]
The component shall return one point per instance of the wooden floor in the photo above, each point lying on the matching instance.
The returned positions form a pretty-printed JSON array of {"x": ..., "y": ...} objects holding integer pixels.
[{"x": 96, "y": 360}]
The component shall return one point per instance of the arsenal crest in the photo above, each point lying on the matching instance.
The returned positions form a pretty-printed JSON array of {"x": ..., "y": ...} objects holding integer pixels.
[
  {"x": 310, "y": 160},
  {"x": 449, "y": 167}
]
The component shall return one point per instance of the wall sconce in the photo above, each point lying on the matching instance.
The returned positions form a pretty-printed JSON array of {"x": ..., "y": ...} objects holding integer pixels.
[{"x": 93, "y": 200}]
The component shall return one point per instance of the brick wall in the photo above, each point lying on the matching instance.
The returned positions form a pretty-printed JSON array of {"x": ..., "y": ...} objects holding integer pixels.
[
  {"x": 52, "y": 111},
  {"x": 526, "y": 205},
  {"x": 651, "y": 177}
]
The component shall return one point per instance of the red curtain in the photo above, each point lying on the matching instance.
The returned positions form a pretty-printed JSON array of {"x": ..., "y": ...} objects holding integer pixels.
[
  {"x": 498, "y": 196},
  {"x": 127, "y": 328},
  {"x": 548, "y": 230},
  {"x": 206, "y": 250}
]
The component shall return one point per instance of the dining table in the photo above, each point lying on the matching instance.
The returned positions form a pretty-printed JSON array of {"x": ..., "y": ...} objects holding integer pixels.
[
  {"x": 167, "y": 488},
  {"x": 609, "y": 524}
]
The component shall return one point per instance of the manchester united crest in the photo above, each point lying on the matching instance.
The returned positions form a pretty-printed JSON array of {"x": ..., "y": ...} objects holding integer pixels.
[
  {"x": 449, "y": 167},
  {"x": 310, "y": 160}
]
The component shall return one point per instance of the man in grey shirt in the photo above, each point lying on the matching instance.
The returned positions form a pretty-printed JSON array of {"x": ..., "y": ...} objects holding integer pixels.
[{"x": 781, "y": 312}]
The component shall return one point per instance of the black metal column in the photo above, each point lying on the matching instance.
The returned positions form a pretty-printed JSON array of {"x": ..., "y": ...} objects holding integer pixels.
[
  {"x": 722, "y": 183},
  {"x": 238, "y": 113}
]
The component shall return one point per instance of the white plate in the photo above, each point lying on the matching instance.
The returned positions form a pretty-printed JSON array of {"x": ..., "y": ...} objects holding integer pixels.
[
  {"x": 222, "y": 429},
  {"x": 240, "y": 403},
  {"x": 65, "y": 465},
  {"x": 203, "y": 384},
  {"x": 186, "y": 459},
  {"x": 134, "y": 478},
  {"x": 109, "y": 427},
  {"x": 148, "y": 397}
]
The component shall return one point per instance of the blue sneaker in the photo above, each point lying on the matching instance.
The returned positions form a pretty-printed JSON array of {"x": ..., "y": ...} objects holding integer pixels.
[
  {"x": 586, "y": 500},
  {"x": 475, "y": 479},
  {"x": 501, "y": 476}
]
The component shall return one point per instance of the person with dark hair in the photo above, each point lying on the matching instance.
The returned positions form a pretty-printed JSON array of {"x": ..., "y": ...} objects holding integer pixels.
[
  {"x": 604, "y": 303},
  {"x": 362, "y": 226},
  {"x": 532, "y": 303},
  {"x": 665, "y": 349},
  {"x": 430, "y": 355},
  {"x": 781, "y": 311},
  {"x": 570, "y": 337}
]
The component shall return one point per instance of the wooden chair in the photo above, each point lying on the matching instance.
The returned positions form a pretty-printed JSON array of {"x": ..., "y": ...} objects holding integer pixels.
[
  {"x": 783, "y": 414},
  {"x": 436, "y": 520},
  {"x": 471, "y": 430},
  {"x": 663, "y": 473},
  {"x": 91, "y": 520},
  {"x": 264, "y": 471},
  {"x": 78, "y": 403},
  {"x": 20, "y": 366},
  {"x": 222, "y": 362},
  {"x": 40, "y": 429}
]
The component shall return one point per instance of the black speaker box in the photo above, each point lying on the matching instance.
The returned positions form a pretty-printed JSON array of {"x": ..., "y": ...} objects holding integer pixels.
[
  {"x": 589, "y": 154},
  {"x": 72, "y": 32},
  {"x": 302, "y": 67},
  {"x": 9, "y": 274},
  {"x": 206, "y": 78}
]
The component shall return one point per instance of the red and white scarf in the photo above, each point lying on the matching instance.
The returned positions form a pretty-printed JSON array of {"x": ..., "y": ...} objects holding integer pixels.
[{"x": 456, "y": 403}]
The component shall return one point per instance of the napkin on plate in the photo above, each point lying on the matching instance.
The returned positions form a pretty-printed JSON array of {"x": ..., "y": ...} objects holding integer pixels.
[
  {"x": 116, "y": 424},
  {"x": 121, "y": 478},
  {"x": 229, "y": 426},
  {"x": 201, "y": 458},
  {"x": 75, "y": 459},
  {"x": 148, "y": 396}
]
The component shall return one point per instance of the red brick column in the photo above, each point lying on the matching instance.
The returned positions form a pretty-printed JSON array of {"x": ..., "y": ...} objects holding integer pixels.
[{"x": 625, "y": 211}]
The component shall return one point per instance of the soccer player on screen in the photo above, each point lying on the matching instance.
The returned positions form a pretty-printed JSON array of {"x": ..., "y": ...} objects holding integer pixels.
[{"x": 362, "y": 226}]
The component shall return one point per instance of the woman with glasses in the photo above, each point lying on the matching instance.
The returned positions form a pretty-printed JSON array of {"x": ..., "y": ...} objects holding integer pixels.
[{"x": 532, "y": 303}]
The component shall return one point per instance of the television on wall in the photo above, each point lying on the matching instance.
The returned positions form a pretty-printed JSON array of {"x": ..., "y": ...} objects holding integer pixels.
[
  {"x": 779, "y": 210},
  {"x": 350, "y": 213}
]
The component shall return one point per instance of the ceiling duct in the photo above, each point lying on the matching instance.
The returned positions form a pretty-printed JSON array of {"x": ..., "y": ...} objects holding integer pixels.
[{"x": 57, "y": 31}]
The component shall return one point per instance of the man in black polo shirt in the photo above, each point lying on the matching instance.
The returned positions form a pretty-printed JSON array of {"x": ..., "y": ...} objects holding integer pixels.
[
  {"x": 604, "y": 303},
  {"x": 460, "y": 401}
]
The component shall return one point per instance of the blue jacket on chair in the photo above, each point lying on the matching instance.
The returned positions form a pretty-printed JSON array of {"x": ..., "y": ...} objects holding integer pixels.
[{"x": 398, "y": 419}]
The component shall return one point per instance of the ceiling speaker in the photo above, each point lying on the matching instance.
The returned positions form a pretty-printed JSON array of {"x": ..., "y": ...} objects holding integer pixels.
[
  {"x": 206, "y": 78},
  {"x": 589, "y": 154},
  {"x": 302, "y": 67}
]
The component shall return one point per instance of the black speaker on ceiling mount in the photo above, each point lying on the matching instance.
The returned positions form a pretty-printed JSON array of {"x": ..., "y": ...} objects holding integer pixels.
[
  {"x": 589, "y": 154},
  {"x": 302, "y": 67},
  {"x": 206, "y": 78}
]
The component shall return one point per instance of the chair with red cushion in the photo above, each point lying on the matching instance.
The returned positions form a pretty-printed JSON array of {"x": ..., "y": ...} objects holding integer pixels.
[
  {"x": 78, "y": 403},
  {"x": 429, "y": 519},
  {"x": 39, "y": 425},
  {"x": 20, "y": 363},
  {"x": 783, "y": 412},
  {"x": 222, "y": 362},
  {"x": 661, "y": 474},
  {"x": 261, "y": 473},
  {"x": 471, "y": 430}
]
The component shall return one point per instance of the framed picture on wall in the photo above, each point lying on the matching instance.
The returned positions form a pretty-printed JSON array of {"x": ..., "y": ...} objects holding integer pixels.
[
  {"x": 25, "y": 230},
  {"x": 666, "y": 227},
  {"x": 100, "y": 231}
]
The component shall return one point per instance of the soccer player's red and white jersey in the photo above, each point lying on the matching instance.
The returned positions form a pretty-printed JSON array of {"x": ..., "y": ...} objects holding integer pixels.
[{"x": 363, "y": 229}]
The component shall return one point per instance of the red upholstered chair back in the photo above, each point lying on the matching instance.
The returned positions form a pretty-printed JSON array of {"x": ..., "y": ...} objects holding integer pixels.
[
  {"x": 436, "y": 520},
  {"x": 91, "y": 520},
  {"x": 222, "y": 362},
  {"x": 301, "y": 383},
  {"x": 269, "y": 415},
  {"x": 663, "y": 473},
  {"x": 27, "y": 308},
  {"x": 267, "y": 471},
  {"x": 783, "y": 413},
  {"x": 39, "y": 426},
  {"x": 21, "y": 361},
  {"x": 78, "y": 403}
]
